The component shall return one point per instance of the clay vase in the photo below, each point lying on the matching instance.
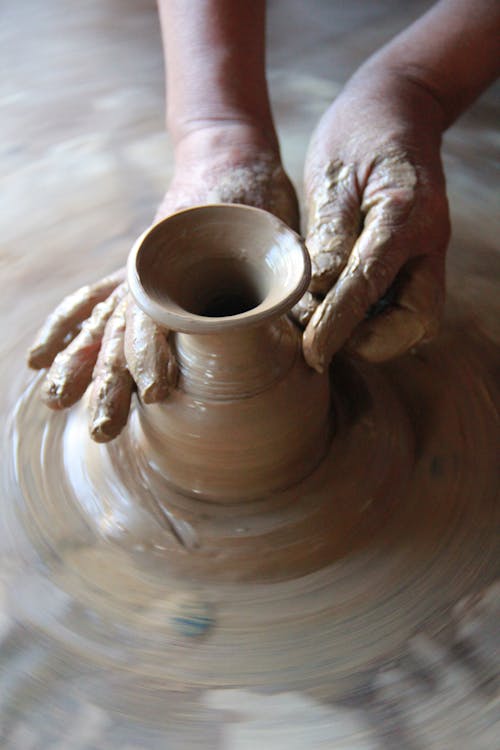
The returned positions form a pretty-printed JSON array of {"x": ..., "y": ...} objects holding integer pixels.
[{"x": 248, "y": 416}]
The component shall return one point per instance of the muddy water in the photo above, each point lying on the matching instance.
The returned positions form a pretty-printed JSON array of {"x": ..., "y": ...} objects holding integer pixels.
[{"x": 358, "y": 610}]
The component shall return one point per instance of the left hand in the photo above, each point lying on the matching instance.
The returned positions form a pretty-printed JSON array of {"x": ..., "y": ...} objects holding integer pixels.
[
  {"x": 378, "y": 223},
  {"x": 99, "y": 337}
]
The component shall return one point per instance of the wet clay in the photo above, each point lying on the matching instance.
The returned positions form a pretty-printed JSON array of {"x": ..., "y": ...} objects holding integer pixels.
[
  {"x": 349, "y": 264},
  {"x": 248, "y": 416}
]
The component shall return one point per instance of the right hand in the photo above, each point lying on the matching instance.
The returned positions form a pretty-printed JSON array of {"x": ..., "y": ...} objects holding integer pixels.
[
  {"x": 378, "y": 223},
  {"x": 99, "y": 336}
]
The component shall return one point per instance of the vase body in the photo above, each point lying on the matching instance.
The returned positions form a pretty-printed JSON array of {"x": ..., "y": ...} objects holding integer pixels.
[{"x": 248, "y": 416}]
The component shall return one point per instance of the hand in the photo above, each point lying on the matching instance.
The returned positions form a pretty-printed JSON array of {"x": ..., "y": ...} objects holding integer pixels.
[
  {"x": 98, "y": 335},
  {"x": 111, "y": 343},
  {"x": 378, "y": 222}
]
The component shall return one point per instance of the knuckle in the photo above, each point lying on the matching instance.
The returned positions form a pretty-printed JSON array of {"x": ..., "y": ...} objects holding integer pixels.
[{"x": 378, "y": 273}]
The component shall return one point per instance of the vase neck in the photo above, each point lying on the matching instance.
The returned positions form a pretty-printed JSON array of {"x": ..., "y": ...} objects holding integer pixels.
[{"x": 236, "y": 363}]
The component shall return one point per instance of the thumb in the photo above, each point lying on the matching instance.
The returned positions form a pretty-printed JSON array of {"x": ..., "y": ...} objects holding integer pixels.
[{"x": 415, "y": 315}]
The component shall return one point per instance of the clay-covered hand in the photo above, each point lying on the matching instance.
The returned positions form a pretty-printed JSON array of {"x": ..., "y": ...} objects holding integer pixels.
[
  {"x": 378, "y": 223},
  {"x": 98, "y": 336},
  {"x": 221, "y": 165}
]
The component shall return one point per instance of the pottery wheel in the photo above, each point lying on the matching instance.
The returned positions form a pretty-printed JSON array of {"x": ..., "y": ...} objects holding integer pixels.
[
  {"x": 306, "y": 595},
  {"x": 356, "y": 611}
]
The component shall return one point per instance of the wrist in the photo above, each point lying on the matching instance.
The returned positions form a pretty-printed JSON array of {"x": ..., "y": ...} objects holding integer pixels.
[
  {"x": 416, "y": 87},
  {"x": 450, "y": 54},
  {"x": 241, "y": 124},
  {"x": 237, "y": 140},
  {"x": 215, "y": 67},
  {"x": 404, "y": 92}
]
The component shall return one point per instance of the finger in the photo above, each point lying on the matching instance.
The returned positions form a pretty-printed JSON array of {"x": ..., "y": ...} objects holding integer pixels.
[
  {"x": 71, "y": 371},
  {"x": 111, "y": 389},
  {"x": 379, "y": 253},
  {"x": 149, "y": 357},
  {"x": 303, "y": 311},
  {"x": 334, "y": 219},
  {"x": 63, "y": 321},
  {"x": 414, "y": 317},
  {"x": 360, "y": 285}
]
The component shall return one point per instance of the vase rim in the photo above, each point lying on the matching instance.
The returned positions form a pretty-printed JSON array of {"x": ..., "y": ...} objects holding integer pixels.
[{"x": 289, "y": 272}]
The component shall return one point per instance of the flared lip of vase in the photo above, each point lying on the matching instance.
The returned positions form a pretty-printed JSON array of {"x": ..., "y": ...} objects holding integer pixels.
[{"x": 290, "y": 257}]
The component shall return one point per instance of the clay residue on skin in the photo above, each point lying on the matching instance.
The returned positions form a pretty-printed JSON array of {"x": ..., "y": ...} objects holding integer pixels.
[
  {"x": 111, "y": 390},
  {"x": 71, "y": 371},
  {"x": 149, "y": 356},
  {"x": 302, "y": 312},
  {"x": 415, "y": 317},
  {"x": 333, "y": 222},
  {"x": 261, "y": 183},
  {"x": 63, "y": 322},
  {"x": 354, "y": 273}
]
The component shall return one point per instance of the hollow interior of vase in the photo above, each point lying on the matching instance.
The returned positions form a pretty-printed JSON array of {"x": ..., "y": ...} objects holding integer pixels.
[{"x": 220, "y": 287}]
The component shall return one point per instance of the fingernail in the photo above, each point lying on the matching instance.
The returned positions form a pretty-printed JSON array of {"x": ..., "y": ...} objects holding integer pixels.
[
  {"x": 312, "y": 355},
  {"x": 52, "y": 393},
  {"x": 153, "y": 392},
  {"x": 313, "y": 359},
  {"x": 37, "y": 358},
  {"x": 102, "y": 430}
]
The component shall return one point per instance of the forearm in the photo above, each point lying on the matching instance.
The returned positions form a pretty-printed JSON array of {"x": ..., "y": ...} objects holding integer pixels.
[
  {"x": 451, "y": 51},
  {"x": 215, "y": 64}
]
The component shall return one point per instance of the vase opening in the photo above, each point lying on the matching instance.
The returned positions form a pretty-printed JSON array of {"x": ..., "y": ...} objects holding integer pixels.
[{"x": 218, "y": 267}]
